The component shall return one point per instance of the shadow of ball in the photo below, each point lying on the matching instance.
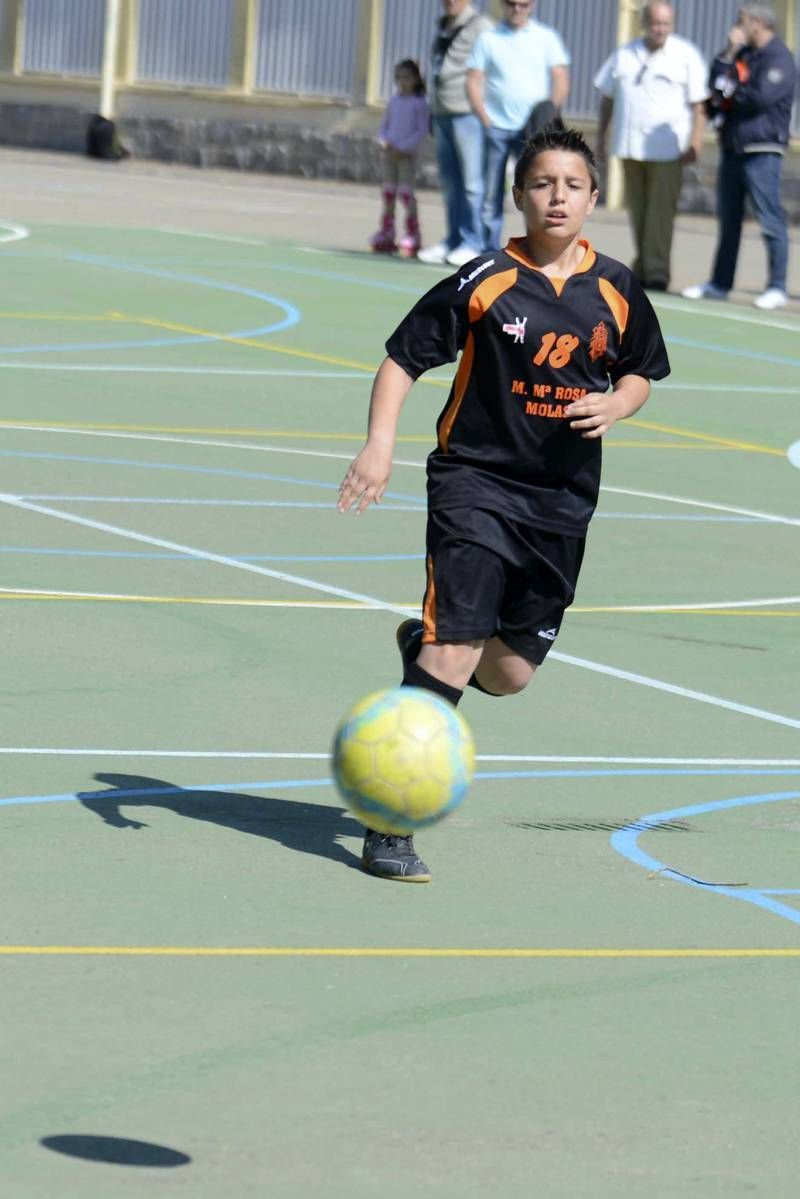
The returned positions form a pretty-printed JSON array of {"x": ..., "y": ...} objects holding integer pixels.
[{"x": 115, "y": 1151}]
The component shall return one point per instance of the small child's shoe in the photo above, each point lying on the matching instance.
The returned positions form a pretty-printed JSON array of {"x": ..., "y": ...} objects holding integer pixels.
[
  {"x": 409, "y": 246},
  {"x": 382, "y": 243}
]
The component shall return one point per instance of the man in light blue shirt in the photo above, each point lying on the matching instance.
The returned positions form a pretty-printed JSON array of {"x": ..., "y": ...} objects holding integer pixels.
[{"x": 511, "y": 69}]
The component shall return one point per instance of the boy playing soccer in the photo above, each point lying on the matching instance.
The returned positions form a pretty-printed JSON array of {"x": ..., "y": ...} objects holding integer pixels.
[{"x": 543, "y": 327}]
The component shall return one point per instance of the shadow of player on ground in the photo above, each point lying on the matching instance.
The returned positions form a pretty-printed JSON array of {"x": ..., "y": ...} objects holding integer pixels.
[{"x": 300, "y": 826}]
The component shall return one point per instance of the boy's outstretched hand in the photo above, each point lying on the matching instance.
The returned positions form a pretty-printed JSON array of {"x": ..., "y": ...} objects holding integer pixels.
[
  {"x": 366, "y": 478},
  {"x": 597, "y": 411}
]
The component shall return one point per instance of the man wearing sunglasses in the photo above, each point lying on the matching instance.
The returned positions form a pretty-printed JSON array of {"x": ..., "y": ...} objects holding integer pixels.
[{"x": 511, "y": 69}]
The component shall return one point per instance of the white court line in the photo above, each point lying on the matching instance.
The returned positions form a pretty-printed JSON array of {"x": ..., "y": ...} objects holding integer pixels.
[
  {"x": 322, "y": 757},
  {"x": 675, "y": 499},
  {"x": 15, "y": 232},
  {"x": 793, "y": 454},
  {"x": 223, "y": 445},
  {"x": 133, "y": 368},
  {"x": 203, "y": 555},
  {"x": 279, "y": 449},
  {"x": 726, "y": 388},
  {"x": 119, "y": 368},
  {"x": 370, "y": 601},
  {"x": 691, "y": 309}
]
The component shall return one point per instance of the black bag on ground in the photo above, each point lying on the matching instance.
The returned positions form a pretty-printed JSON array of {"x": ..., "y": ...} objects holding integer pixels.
[
  {"x": 102, "y": 140},
  {"x": 543, "y": 116}
]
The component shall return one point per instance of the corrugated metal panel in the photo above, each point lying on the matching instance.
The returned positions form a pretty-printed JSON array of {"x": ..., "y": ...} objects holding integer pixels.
[
  {"x": 185, "y": 41},
  {"x": 408, "y": 31},
  {"x": 590, "y": 34},
  {"x": 705, "y": 22},
  {"x": 64, "y": 38},
  {"x": 307, "y": 47},
  {"x": 796, "y": 121}
]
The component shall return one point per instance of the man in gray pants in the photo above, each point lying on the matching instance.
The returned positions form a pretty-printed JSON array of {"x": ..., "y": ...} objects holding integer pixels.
[{"x": 653, "y": 93}]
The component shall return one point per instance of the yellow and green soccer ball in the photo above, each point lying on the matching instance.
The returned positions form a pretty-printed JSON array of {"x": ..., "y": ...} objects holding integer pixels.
[{"x": 402, "y": 759}]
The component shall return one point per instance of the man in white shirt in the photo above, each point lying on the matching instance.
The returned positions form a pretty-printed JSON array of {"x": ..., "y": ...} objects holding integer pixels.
[
  {"x": 511, "y": 69},
  {"x": 655, "y": 89}
]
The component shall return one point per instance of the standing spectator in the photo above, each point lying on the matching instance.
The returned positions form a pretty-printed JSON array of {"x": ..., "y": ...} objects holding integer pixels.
[
  {"x": 655, "y": 89},
  {"x": 404, "y": 125},
  {"x": 457, "y": 134},
  {"x": 753, "y": 83},
  {"x": 512, "y": 68}
]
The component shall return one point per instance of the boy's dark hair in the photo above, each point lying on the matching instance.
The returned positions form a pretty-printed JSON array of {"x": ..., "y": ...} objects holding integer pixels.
[
  {"x": 412, "y": 66},
  {"x": 552, "y": 138}
]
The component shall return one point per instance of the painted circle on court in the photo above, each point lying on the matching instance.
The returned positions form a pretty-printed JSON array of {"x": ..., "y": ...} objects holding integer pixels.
[{"x": 793, "y": 454}]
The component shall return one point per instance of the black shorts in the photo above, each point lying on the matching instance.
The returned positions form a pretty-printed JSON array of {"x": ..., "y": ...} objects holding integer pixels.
[{"x": 492, "y": 576}]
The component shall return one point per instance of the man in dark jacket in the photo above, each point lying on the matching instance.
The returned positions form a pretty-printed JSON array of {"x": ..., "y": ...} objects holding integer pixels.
[{"x": 753, "y": 84}]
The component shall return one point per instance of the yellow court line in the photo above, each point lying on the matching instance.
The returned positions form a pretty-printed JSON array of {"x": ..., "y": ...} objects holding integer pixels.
[
  {"x": 60, "y": 316},
  {"x": 271, "y": 347},
  {"x": 355, "y": 606},
  {"x": 254, "y": 343},
  {"x": 273, "y": 951},
  {"x": 82, "y": 596},
  {"x": 708, "y": 437}
]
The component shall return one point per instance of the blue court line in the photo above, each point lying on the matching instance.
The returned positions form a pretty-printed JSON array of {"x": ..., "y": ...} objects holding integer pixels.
[
  {"x": 333, "y": 276},
  {"x": 292, "y": 315},
  {"x": 137, "y": 499},
  {"x": 199, "y": 470},
  {"x": 75, "y": 797},
  {"x": 419, "y": 506},
  {"x": 625, "y": 842},
  {"x": 114, "y": 264},
  {"x": 757, "y": 355},
  {"x": 480, "y": 776}
]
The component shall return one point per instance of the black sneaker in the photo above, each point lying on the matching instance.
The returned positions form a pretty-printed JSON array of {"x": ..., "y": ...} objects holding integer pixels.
[
  {"x": 409, "y": 640},
  {"x": 387, "y": 855}
]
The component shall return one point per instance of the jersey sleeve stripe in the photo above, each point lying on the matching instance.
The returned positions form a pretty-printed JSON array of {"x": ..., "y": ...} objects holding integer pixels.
[
  {"x": 459, "y": 388},
  {"x": 616, "y": 302},
  {"x": 429, "y": 605},
  {"x": 490, "y": 290}
]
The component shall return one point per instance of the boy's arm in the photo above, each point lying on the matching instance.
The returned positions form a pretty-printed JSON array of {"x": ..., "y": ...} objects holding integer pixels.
[
  {"x": 368, "y": 474},
  {"x": 597, "y": 412}
]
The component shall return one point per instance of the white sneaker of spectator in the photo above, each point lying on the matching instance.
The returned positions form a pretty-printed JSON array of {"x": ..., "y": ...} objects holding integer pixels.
[
  {"x": 434, "y": 255},
  {"x": 462, "y": 255},
  {"x": 704, "y": 291},
  {"x": 773, "y": 297}
]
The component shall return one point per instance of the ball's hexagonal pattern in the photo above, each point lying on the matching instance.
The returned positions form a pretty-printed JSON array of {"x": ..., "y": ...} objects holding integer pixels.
[{"x": 402, "y": 759}]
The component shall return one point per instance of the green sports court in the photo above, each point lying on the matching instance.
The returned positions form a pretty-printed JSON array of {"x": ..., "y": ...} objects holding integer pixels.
[{"x": 597, "y": 995}]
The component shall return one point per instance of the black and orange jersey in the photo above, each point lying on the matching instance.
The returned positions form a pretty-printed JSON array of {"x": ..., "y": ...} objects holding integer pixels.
[{"x": 529, "y": 345}]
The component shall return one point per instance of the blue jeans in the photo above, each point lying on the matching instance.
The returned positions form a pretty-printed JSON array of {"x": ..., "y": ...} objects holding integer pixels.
[
  {"x": 459, "y": 153},
  {"x": 498, "y": 144},
  {"x": 759, "y": 177}
]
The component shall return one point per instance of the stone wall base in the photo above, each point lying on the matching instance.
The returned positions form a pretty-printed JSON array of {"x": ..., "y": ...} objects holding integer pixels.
[{"x": 343, "y": 150}]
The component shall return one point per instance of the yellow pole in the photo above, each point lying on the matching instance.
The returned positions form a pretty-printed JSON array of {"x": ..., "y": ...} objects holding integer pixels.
[
  {"x": 243, "y": 46},
  {"x": 16, "y": 15},
  {"x": 128, "y": 48},
  {"x": 374, "y": 44},
  {"x": 108, "y": 75},
  {"x": 627, "y": 29}
]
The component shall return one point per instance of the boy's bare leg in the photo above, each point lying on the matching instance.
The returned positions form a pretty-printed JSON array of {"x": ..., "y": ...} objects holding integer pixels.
[
  {"x": 501, "y": 670},
  {"x": 451, "y": 662},
  {"x": 498, "y": 669}
]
